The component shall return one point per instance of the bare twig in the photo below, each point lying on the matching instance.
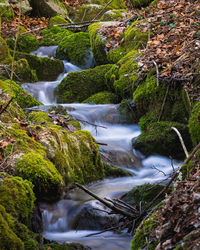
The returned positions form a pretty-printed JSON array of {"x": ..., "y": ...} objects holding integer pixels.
[
  {"x": 154, "y": 167},
  {"x": 181, "y": 140},
  {"x": 90, "y": 123},
  {"x": 102, "y": 10},
  {"x": 157, "y": 73},
  {"x": 4, "y": 109},
  {"x": 163, "y": 104}
]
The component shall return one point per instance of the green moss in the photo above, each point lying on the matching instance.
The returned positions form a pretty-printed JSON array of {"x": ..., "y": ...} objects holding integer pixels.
[
  {"x": 25, "y": 43},
  {"x": 139, "y": 241},
  {"x": 114, "y": 172},
  {"x": 113, "y": 15},
  {"x": 57, "y": 20},
  {"x": 23, "y": 72},
  {"x": 6, "y": 11},
  {"x": 135, "y": 38},
  {"x": 48, "y": 184},
  {"x": 24, "y": 99},
  {"x": 8, "y": 239},
  {"x": 69, "y": 48},
  {"x": 140, "y": 3},
  {"x": 46, "y": 68},
  {"x": 115, "y": 4},
  {"x": 145, "y": 194},
  {"x": 159, "y": 138},
  {"x": 17, "y": 196},
  {"x": 115, "y": 55},
  {"x": 97, "y": 44},
  {"x": 194, "y": 124},
  {"x": 102, "y": 98},
  {"x": 39, "y": 116},
  {"x": 78, "y": 86},
  {"x": 54, "y": 36},
  {"x": 5, "y": 57}
]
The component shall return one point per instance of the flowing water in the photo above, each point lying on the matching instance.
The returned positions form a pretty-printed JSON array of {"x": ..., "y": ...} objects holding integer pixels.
[{"x": 72, "y": 219}]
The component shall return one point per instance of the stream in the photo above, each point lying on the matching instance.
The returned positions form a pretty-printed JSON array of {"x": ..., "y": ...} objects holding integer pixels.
[{"x": 73, "y": 218}]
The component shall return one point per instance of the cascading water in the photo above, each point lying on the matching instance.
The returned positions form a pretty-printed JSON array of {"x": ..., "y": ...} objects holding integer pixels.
[{"x": 67, "y": 220}]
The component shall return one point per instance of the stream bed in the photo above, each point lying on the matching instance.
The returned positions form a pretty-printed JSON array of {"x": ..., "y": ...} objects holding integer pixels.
[{"x": 73, "y": 218}]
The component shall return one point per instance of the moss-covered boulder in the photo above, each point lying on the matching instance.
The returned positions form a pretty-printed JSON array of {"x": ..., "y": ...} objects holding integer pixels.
[
  {"x": 25, "y": 43},
  {"x": 122, "y": 76},
  {"x": 78, "y": 86},
  {"x": 75, "y": 155},
  {"x": 194, "y": 124},
  {"x": 6, "y": 11},
  {"x": 115, "y": 4},
  {"x": 140, "y": 3},
  {"x": 75, "y": 48},
  {"x": 114, "y": 55},
  {"x": 159, "y": 138},
  {"x": 46, "y": 68},
  {"x": 53, "y": 36},
  {"x": 113, "y": 15},
  {"x": 56, "y": 20},
  {"x": 97, "y": 42},
  {"x": 24, "y": 99},
  {"x": 136, "y": 36},
  {"x": 17, "y": 196},
  {"x": 23, "y": 72},
  {"x": 5, "y": 57},
  {"x": 102, "y": 98},
  {"x": 47, "y": 181},
  {"x": 38, "y": 117},
  {"x": 143, "y": 194}
]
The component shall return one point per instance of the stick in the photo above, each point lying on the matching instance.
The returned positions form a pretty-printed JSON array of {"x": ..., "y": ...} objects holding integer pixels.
[
  {"x": 103, "y": 231},
  {"x": 93, "y": 124},
  {"x": 4, "y": 109},
  {"x": 107, "y": 204},
  {"x": 163, "y": 104},
  {"x": 181, "y": 140},
  {"x": 102, "y": 144},
  {"x": 157, "y": 73},
  {"x": 102, "y": 10}
]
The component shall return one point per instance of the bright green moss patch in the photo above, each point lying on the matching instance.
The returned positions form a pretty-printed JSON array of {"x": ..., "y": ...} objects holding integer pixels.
[
  {"x": 159, "y": 138},
  {"x": 78, "y": 86},
  {"x": 5, "y": 57},
  {"x": 39, "y": 116},
  {"x": 139, "y": 241},
  {"x": 74, "y": 48},
  {"x": 57, "y": 20},
  {"x": 24, "y": 99},
  {"x": 194, "y": 124},
  {"x": 97, "y": 44},
  {"x": 115, "y": 55},
  {"x": 54, "y": 36},
  {"x": 102, "y": 98},
  {"x": 42, "y": 173},
  {"x": 46, "y": 68},
  {"x": 113, "y": 15},
  {"x": 17, "y": 196}
]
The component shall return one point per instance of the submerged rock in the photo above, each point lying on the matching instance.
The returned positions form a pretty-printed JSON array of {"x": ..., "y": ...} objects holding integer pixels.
[{"x": 102, "y": 98}]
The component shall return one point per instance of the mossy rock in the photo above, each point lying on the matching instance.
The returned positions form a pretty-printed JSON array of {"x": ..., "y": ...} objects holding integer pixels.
[
  {"x": 148, "y": 97},
  {"x": 139, "y": 241},
  {"x": 76, "y": 155},
  {"x": 48, "y": 183},
  {"x": 25, "y": 43},
  {"x": 97, "y": 44},
  {"x": 114, "y": 172},
  {"x": 6, "y": 11},
  {"x": 194, "y": 124},
  {"x": 144, "y": 194},
  {"x": 23, "y": 72},
  {"x": 53, "y": 36},
  {"x": 159, "y": 138},
  {"x": 24, "y": 99},
  {"x": 78, "y": 86},
  {"x": 102, "y": 98},
  {"x": 56, "y": 20},
  {"x": 39, "y": 116},
  {"x": 113, "y": 15},
  {"x": 17, "y": 196},
  {"x": 74, "y": 48},
  {"x": 122, "y": 76},
  {"x": 5, "y": 57},
  {"x": 115, "y": 4},
  {"x": 135, "y": 37},
  {"x": 46, "y": 68},
  {"x": 140, "y": 3},
  {"x": 114, "y": 55}
]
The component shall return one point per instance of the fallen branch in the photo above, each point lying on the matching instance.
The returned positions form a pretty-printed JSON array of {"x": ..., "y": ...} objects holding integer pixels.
[
  {"x": 181, "y": 140},
  {"x": 90, "y": 123},
  {"x": 106, "y": 203},
  {"x": 102, "y": 10}
]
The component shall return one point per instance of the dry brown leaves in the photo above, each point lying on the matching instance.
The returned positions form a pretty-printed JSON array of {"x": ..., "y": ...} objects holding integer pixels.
[{"x": 180, "y": 214}]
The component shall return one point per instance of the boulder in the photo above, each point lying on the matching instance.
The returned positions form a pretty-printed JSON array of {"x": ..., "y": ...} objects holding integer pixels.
[
  {"x": 102, "y": 98},
  {"x": 6, "y": 11},
  {"x": 48, "y": 8},
  {"x": 26, "y": 8}
]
